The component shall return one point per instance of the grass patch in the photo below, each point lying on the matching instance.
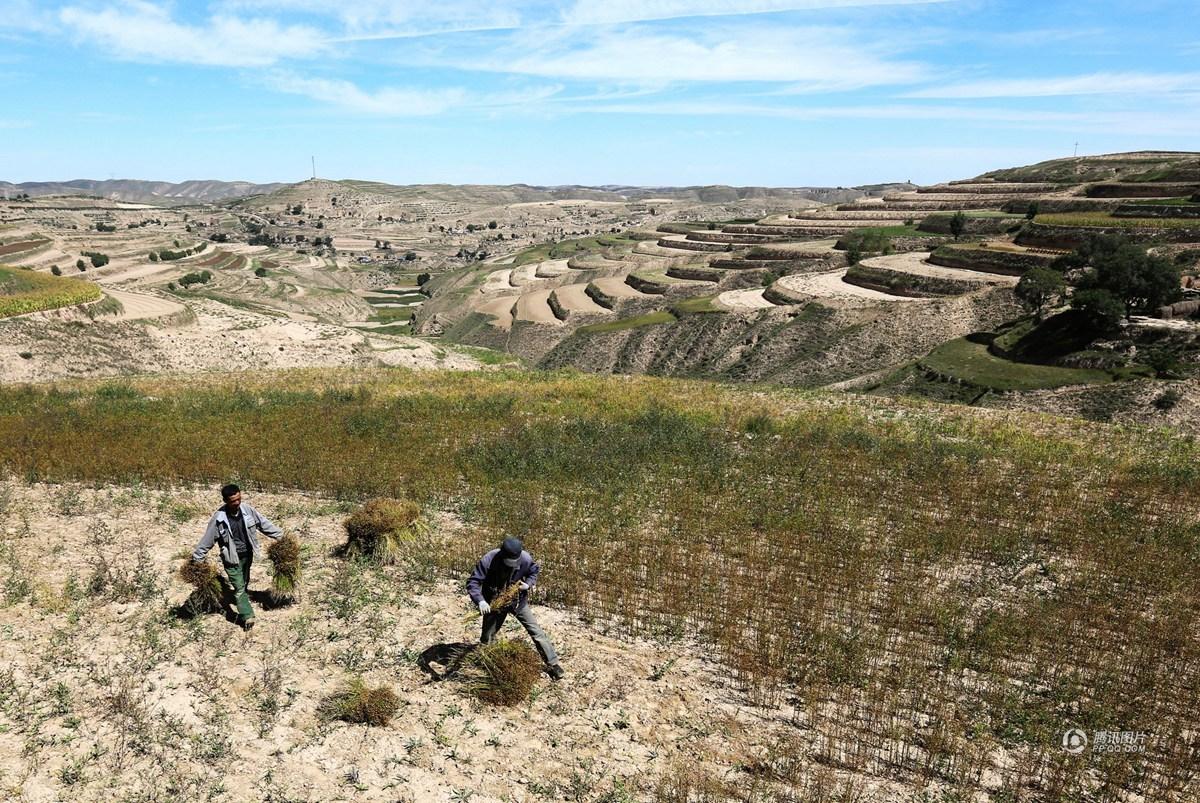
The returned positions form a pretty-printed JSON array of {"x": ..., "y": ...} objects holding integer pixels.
[
  {"x": 396, "y": 299},
  {"x": 971, "y": 362},
  {"x": 894, "y": 231},
  {"x": 693, "y": 306},
  {"x": 388, "y": 315},
  {"x": 24, "y": 291},
  {"x": 649, "y": 319},
  {"x": 489, "y": 356}
]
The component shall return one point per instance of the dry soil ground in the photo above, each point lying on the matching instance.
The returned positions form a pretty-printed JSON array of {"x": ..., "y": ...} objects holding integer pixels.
[{"x": 108, "y": 693}]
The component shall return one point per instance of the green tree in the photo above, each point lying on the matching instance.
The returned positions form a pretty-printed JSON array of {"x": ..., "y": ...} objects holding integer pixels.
[
  {"x": 1140, "y": 281},
  {"x": 1102, "y": 308},
  {"x": 80, "y": 265},
  {"x": 56, "y": 270},
  {"x": 1039, "y": 286},
  {"x": 1032, "y": 211},
  {"x": 958, "y": 224}
]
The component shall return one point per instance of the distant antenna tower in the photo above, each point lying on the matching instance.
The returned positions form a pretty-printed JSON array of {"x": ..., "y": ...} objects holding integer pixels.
[
  {"x": 314, "y": 161},
  {"x": 1076, "y": 149}
]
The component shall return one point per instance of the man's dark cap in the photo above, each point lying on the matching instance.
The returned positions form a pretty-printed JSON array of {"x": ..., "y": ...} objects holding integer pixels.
[{"x": 510, "y": 552}]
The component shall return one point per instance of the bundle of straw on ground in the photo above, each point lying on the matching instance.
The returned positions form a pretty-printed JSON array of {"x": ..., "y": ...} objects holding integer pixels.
[
  {"x": 357, "y": 702},
  {"x": 204, "y": 577},
  {"x": 384, "y": 530},
  {"x": 500, "y": 673},
  {"x": 284, "y": 554}
]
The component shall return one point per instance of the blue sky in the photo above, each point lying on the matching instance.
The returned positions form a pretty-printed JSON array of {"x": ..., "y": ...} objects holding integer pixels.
[{"x": 650, "y": 92}]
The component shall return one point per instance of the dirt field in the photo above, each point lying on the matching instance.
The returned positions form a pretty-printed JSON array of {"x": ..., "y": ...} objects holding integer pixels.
[{"x": 108, "y": 691}]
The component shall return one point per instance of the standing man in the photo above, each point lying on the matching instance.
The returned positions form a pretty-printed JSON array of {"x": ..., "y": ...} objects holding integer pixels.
[
  {"x": 496, "y": 571},
  {"x": 232, "y": 527}
]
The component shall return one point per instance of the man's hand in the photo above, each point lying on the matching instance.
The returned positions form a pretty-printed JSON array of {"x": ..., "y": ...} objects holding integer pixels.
[
  {"x": 523, "y": 586},
  {"x": 484, "y": 608}
]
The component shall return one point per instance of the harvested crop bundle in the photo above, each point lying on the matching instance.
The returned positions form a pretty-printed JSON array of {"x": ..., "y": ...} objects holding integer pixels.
[
  {"x": 209, "y": 592},
  {"x": 358, "y": 702},
  {"x": 500, "y": 673},
  {"x": 384, "y": 530},
  {"x": 284, "y": 554},
  {"x": 507, "y": 598}
]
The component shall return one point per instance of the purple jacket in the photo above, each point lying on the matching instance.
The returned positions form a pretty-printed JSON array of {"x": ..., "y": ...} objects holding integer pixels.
[{"x": 485, "y": 584}]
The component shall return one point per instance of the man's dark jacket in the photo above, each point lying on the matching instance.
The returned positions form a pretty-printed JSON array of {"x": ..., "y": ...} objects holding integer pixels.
[{"x": 491, "y": 577}]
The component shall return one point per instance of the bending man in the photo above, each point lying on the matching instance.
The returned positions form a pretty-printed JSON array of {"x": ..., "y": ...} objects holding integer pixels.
[
  {"x": 232, "y": 528},
  {"x": 496, "y": 571}
]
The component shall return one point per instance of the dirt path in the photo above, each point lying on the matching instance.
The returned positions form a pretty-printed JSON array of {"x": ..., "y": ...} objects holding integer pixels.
[{"x": 915, "y": 264}]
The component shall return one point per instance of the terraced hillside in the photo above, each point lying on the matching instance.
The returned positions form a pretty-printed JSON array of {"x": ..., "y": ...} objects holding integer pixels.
[{"x": 824, "y": 294}]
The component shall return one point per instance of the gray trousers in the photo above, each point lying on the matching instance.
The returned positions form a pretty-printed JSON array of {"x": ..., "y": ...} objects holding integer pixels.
[{"x": 492, "y": 622}]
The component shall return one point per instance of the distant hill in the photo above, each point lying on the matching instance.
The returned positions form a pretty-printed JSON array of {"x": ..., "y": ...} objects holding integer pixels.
[
  {"x": 167, "y": 193},
  {"x": 528, "y": 193},
  {"x": 144, "y": 192},
  {"x": 1127, "y": 167}
]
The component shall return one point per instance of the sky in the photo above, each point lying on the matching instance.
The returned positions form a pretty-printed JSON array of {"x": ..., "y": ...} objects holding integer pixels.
[{"x": 635, "y": 92}]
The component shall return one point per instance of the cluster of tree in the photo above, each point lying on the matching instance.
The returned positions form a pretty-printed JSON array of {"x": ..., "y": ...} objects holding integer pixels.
[
  {"x": 105, "y": 227},
  {"x": 201, "y": 277},
  {"x": 219, "y": 237},
  {"x": 167, "y": 255},
  {"x": 262, "y": 238},
  {"x": 1110, "y": 278},
  {"x": 97, "y": 259},
  {"x": 861, "y": 243}
]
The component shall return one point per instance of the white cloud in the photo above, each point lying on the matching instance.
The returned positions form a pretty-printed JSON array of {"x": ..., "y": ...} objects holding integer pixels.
[
  {"x": 817, "y": 59},
  {"x": 141, "y": 31},
  {"x": 1142, "y": 122},
  {"x": 607, "y": 12},
  {"x": 1094, "y": 84},
  {"x": 399, "y": 101},
  {"x": 389, "y": 19},
  {"x": 415, "y": 17}
]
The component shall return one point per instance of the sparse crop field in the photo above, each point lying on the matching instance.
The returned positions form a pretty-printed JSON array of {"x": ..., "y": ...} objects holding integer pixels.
[
  {"x": 24, "y": 291},
  {"x": 22, "y": 246},
  {"x": 933, "y": 596},
  {"x": 570, "y": 248},
  {"x": 1106, "y": 219}
]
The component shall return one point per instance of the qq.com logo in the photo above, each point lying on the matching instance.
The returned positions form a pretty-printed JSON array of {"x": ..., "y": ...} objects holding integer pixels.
[{"x": 1074, "y": 741}]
